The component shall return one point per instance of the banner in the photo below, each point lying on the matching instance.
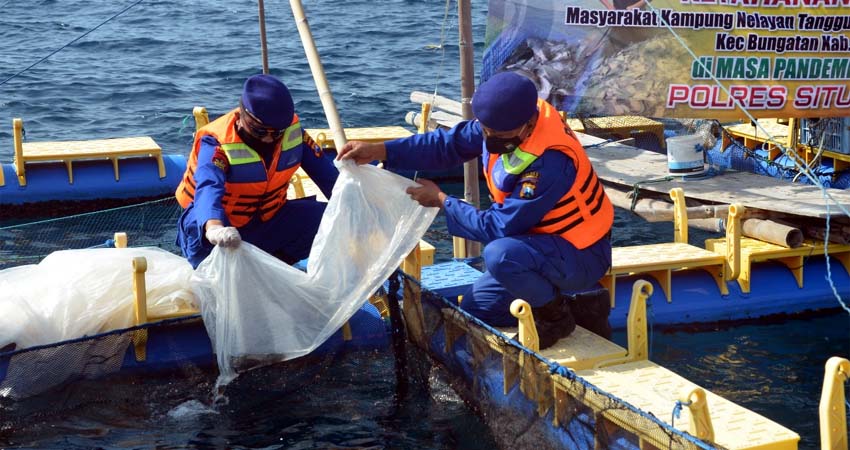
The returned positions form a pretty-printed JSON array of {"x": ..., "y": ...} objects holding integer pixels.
[{"x": 682, "y": 58}]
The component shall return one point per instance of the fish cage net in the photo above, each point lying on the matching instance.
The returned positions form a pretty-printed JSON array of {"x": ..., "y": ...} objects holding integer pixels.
[
  {"x": 32, "y": 371},
  {"x": 530, "y": 401},
  {"x": 149, "y": 224},
  {"x": 38, "y": 370}
]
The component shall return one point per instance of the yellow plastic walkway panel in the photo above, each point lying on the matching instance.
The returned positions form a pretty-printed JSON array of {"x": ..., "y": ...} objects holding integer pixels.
[
  {"x": 324, "y": 137},
  {"x": 654, "y": 389},
  {"x": 580, "y": 350},
  {"x": 583, "y": 349},
  {"x": 659, "y": 260},
  {"x": 69, "y": 151},
  {"x": 755, "y": 251}
]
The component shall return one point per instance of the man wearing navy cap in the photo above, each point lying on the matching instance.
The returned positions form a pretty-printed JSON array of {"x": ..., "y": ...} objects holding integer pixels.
[
  {"x": 238, "y": 173},
  {"x": 547, "y": 229}
]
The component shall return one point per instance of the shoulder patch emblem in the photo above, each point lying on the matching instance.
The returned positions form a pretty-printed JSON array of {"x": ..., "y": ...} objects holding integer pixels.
[
  {"x": 309, "y": 142},
  {"x": 528, "y": 184},
  {"x": 220, "y": 159},
  {"x": 527, "y": 190}
]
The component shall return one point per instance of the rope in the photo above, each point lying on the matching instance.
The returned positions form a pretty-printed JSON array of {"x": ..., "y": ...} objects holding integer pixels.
[
  {"x": 819, "y": 154},
  {"x": 442, "y": 48},
  {"x": 677, "y": 411},
  {"x": 102, "y": 211},
  {"x": 69, "y": 43},
  {"x": 636, "y": 189},
  {"x": 600, "y": 144},
  {"x": 828, "y": 266},
  {"x": 790, "y": 153},
  {"x": 553, "y": 367},
  {"x": 161, "y": 323},
  {"x": 183, "y": 124}
]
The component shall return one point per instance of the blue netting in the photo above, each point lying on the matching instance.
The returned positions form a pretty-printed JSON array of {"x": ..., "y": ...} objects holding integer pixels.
[
  {"x": 578, "y": 427},
  {"x": 498, "y": 53}
]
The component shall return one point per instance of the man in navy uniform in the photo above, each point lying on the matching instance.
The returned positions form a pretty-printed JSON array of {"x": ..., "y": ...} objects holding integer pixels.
[
  {"x": 547, "y": 231},
  {"x": 238, "y": 173}
]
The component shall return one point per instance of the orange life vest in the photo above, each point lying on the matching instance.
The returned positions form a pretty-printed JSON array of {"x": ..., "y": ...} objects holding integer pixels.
[
  {"x": 584, "y": 214},
  {"x": 250, "y": 188}
]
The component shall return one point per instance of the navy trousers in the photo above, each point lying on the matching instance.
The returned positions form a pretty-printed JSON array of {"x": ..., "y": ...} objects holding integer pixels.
[{"x": 536, "y": 268}]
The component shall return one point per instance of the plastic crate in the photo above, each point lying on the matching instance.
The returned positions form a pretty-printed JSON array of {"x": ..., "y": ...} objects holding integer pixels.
[
  {"x": 449, "y": 279},
  {"x": 836, "y": 133}
]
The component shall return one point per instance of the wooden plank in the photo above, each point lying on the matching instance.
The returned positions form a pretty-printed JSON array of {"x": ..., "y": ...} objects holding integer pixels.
[
  {"x": 437, "y": 118},
  {"x": 626, "y": 166},
  {"x": 438, "y": 102},
  {"x": 445, "y": 119}
]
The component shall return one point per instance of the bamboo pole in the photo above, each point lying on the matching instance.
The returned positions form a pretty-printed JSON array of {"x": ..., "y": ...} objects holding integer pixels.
[
  {"x": 773, "y": 232},
  {"x": 318, "y": 71},
  {"x": 755, "y": 223},
  {"x": 467, "y": 85},
  {"x": 264, "y": 50},
  {"x": 654, "y": 210}
]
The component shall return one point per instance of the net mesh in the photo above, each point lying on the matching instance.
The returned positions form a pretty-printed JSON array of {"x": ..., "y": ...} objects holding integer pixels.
[
  {"x": 147, "y": 224},
  {"x": 528, "y": 400},
  {"x": 38, "y": 370},
  {"x": 511, "y": 401},
  {"x": 32, "y": 371}
]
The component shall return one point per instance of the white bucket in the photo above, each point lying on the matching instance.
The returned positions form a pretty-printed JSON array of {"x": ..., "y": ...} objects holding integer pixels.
[{"x": 685, "y": 155}]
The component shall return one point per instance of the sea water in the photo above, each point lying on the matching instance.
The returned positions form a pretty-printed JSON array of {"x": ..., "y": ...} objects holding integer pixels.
[{"x": 143, "y": 72}]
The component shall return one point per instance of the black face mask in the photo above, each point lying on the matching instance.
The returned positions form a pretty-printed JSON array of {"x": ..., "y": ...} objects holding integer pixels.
[
  {"x": 502, "y": 145},
  {"x": 265, "y": 148}
]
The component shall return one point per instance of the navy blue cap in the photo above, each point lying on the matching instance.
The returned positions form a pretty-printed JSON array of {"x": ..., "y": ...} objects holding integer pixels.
[
  {"x": 268, "y": 99},
  {"x": 505, "y": 101}
]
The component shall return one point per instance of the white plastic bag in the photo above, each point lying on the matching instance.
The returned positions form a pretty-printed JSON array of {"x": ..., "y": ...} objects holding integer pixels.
[
  {"x": 76, "y": 293},
  {"x": 257, "y": 308}
]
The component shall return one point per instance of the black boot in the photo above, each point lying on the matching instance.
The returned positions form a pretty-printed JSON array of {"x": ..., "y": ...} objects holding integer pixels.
[
  {"x": 553, "y": 321},
  {"x": 591, "y": 311}
]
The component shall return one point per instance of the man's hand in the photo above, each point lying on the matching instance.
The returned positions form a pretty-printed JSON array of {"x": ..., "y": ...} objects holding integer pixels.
[
  {"x": 223, "y": 236},
  {"x": 429, "y": 194},
  {"x": 362, "y": 152}
]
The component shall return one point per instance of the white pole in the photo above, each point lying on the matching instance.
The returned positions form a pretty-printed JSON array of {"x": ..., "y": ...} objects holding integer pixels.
[{"x": 318, "y": 73}]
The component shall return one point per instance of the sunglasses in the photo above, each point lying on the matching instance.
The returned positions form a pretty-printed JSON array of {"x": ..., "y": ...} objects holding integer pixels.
[{"x": 258, "y": 130}]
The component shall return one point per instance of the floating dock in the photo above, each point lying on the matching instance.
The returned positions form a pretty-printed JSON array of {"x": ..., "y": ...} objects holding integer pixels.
[{"x": 585, "y": 382}]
